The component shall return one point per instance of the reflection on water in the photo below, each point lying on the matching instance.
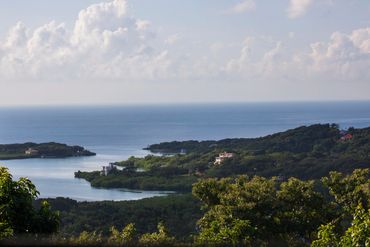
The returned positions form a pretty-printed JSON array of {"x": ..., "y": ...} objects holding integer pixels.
[{"x": 55, "y": 178}]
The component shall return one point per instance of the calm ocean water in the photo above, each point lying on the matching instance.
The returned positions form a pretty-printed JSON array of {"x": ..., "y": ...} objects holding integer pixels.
[{"x": 117, "y": 132}]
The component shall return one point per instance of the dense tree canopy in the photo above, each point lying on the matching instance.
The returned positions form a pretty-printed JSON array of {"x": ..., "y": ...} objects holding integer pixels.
[
  {"x": 296, "y": 188},
  {"x": 18, "y": 216},
  {"x": 178, "y": 212},
  {"x": 307, "y": 152},
  {"x": 358, "y": 234},
  {"x": 237, "y": 210},
  {"x": 257, "y": 209}
]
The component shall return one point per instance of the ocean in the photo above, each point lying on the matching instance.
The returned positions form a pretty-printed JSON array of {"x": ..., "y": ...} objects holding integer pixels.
[{"x": 118, "y": 132}]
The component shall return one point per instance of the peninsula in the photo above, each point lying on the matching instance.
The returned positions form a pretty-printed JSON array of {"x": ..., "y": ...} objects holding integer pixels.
[
  {"x": 306, "y": 152},
  {"x": 41, "y": 150}
]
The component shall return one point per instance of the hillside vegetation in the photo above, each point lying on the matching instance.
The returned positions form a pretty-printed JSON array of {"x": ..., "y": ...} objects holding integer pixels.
[
  {"x": 239, "y": 211},
  {"x": 41, "y": 150},
  {"x": 307, "y": 152},
  {"x": 296, "y": 188}
]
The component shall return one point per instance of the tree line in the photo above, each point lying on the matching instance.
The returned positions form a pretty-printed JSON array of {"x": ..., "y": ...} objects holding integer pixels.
[
  {"x": 252, "y": 211},
  {"x": 307, "y": 152}
]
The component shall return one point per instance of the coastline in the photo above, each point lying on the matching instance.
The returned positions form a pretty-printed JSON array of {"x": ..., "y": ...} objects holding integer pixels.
[
  {"x": 306, "y": 152},
  {"x": 49, "y": 150},
  {"x": 116, "y": 133}
]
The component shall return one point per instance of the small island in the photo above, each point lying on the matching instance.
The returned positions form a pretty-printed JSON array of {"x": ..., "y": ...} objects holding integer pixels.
[
  {"x": 41, "y": 150},
  {"x": 306, "y": 152}
]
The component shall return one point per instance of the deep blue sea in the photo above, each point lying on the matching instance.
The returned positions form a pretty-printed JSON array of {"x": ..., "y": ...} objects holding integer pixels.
[{"x": 118, "y": 132}]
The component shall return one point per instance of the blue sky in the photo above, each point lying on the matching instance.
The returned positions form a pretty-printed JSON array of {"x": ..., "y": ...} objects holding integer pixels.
[{"x": 140, "y": 51}]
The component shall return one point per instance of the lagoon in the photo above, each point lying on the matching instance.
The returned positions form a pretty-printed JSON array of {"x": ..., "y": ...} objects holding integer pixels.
[{"x": 118, "y": 132}]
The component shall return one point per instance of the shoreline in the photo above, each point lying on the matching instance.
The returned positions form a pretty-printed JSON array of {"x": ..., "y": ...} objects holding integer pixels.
[
  {"x": 49, "y": 150},
  {"x": 291, "y": 153}
]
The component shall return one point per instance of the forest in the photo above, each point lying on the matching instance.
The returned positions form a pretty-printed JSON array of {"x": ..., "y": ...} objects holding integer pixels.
[
  {"x": 41, "y": 150},
  {"x": 308, "y": 186},
  {"x": 243, "y": 210},
  {"x": 307, "y": 152}
]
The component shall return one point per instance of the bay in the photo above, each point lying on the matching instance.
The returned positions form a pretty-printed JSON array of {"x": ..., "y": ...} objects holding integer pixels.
[{"x": 118, "y": 132}]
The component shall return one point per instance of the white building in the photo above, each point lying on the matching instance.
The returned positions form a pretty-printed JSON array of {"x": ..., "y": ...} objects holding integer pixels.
[
  {"x": 107, "y": 169},
  {"x": 31, "y": 151},
  {"x": 222, "y": 156}
]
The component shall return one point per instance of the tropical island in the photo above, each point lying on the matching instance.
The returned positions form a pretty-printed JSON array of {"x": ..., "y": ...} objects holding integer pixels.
[
  {"x": 307, "y": 152},
  {"x": 41, "y": 150},
  {"x": 309, "y": 186}
]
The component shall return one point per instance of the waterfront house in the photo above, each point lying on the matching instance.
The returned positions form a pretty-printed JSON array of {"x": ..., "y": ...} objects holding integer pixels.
[
  {"x": 222, "y": 156},
  {"x": 346, "y": 137},
  {"x": 31, "y": 151},
  {"x": 107, "y": 169}
]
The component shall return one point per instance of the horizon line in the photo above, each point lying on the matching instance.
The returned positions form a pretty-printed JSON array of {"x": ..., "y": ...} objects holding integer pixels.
[{"x": 133, "y": 104}]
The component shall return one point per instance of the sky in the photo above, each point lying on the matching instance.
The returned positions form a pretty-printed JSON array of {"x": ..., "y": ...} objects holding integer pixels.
[{"x": 165, "y": 51}]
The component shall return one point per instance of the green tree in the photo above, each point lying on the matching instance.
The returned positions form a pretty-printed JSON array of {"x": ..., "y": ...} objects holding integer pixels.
[
  {"x": 239, "y": 209},
  {"x": 302, "y": 208},
  {"x": 349, "y": 190},
  {"x": 157, "y": 238},
  {"x": 17, "y": 213},
  {"x": 208, "y": 191},
  {"x": 351, "y": 194},
  {"x": 127, "y": 235},
  {"x": 326, "y": 236},
  {"x": 87, "y": 238},
  {"x": 358, "y": 234},
  {"x": 255, "y": 210},
  {"x": 223, "y": 228}
]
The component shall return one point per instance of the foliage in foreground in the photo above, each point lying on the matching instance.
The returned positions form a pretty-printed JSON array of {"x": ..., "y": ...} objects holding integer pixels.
[
  {"x": 259, "y": 210},
  {"x": 18, "y": 216},
  {"x": 178, "y": 212},
  {"x": 358, "y": 234},
  {"x": 127, "y": 236},
  {"x": 238, "y": 210}
]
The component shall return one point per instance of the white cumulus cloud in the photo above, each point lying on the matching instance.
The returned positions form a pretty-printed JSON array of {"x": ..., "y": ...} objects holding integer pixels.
[
  {"x": 268, "y": 63},
  {"x": 105, "y": 42},
  {"x": 243, "y": 6},
  {"x": 298, "y": 8},
  {"x": 345, "y": 56}
]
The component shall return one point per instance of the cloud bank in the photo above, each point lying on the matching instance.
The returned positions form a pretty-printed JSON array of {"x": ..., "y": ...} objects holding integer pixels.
[
  {"x": 344, "y": 57},
  {"x": 107, "y": 43}
]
